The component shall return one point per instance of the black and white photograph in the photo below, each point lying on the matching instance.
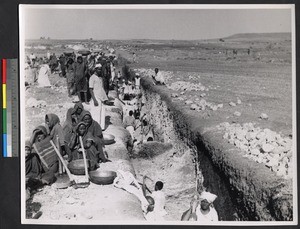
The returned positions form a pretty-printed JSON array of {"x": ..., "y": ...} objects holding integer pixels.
[{"x": 158, "y": 114}]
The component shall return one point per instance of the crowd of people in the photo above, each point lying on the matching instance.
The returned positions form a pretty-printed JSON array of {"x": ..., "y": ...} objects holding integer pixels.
[{"x": 90, "y": 76}]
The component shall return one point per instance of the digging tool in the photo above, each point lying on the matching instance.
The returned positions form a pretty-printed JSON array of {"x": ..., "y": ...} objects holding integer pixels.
[
  {"x": 71, "y": 177},
  {"x": 64, "y": 163},
  {"x": 87, "y": 183}
]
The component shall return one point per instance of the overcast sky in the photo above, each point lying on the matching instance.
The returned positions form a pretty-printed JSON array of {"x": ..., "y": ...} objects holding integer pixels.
[{"x": 181, "y": 24}]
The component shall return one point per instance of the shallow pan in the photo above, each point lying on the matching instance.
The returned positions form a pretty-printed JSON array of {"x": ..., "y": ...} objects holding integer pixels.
[
  {"x": 76, "y": 167},
  {"x": 108, "y": 139},
  {"x": 103, "y": 177}
]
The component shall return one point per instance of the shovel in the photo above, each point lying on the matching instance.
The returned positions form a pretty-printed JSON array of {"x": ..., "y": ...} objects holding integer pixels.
[
  {"x": 71, "y": 177},
  {"x": 87, "y": 182}
]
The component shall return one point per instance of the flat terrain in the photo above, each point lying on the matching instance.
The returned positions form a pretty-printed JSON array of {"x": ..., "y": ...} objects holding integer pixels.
[{"x": 252, "y": 70}]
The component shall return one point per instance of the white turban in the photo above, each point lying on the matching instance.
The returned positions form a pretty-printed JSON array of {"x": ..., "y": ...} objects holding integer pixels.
[
  {"x": 98, "y": 66},
  {"x": 208, "y": 196}
]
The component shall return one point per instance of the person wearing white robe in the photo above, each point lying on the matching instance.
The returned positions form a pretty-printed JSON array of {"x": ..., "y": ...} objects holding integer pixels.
[
  {"x": 98, "y": 94},
  {"x": 43, "y": 77}
]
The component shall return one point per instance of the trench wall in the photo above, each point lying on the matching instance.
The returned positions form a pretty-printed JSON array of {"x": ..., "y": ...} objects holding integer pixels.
[{"x": 246, "y": 190}]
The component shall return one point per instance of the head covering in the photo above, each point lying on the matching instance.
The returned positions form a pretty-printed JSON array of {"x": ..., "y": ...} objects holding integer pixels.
[
  {"x": 208, "y": 196},
  {"x": 78, "y": 105},
  {"x": 69, "y": 114},
  {"x": 27, "y": 143},
  {"x": 41, "y": 128},
  {"x": 78, "y": 125},
  {"x": 98, "y": 66},
  {"x": 53, "y": 120},
  {"x": 84, "y": 113},
  {"x": 137, "y": 74}
]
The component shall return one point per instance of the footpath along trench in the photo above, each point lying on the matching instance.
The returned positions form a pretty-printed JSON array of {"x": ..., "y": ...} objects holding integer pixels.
[{"x": 99, "y": 203}]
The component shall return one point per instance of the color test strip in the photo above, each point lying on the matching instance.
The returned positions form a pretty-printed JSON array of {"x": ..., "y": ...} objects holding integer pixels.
[{"x": 4, "y": 121}]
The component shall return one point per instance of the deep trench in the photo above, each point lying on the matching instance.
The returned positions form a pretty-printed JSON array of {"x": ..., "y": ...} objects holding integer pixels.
[
  {"x": 170, "y": 127},
  {"x": 246, "y": 191}
]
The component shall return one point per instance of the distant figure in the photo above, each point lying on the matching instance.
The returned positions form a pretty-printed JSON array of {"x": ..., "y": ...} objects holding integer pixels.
[
  {"x": 80, "y": 79},
  {"x": 32, "y": 57},
  {"x": 70, "y": 75},
  {"x": 133, "y": 57},
  {"x": 48, "y": 55},
  {"x": 248, "y": 51},
  {"x": 44, "y": 73},
  {"x": 158, "y": 78}
]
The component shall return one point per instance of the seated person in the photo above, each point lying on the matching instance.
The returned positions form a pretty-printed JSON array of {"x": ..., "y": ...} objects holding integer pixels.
[
  {"x": 34, "y": 168},
  {"x": 202, "y": 209},
  {"x": 89, "y": 145},
  {"x": 69, "y": 125},
  {"x": 53, "y": 123},
  {"x": 47, "y": 174},
  {"x": 78, "y": 108},
  {"x": 159, "y": 197}
]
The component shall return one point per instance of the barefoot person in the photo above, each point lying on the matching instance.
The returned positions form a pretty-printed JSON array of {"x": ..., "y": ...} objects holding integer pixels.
[
  {"x": 80, "y": 79},
  {"x": 98, "y": 96}
]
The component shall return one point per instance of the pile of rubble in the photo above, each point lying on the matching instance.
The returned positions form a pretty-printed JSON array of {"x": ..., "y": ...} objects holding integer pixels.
[
  {"x": 187, "y": 86},
  {"x": 261, "y": 145}
]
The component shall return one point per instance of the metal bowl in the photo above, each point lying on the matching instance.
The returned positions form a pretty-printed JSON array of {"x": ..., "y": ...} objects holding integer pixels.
[
  {"x": 103, "y": 177},
  {"x": 76, "y": 167},
  {"x": 108, "y": 139}
]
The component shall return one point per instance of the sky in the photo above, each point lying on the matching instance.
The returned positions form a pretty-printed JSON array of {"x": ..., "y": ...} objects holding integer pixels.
[{"x": 165, "y": 24}]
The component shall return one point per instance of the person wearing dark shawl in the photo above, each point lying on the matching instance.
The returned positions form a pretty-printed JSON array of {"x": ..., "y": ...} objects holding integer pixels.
[
  {"x": 55, "y": 129},
  {"x": 70, "y": 76},
  {"x": 33, "y": 163},
  {"x": 94, "y": 128},
  {"x": 89, "y": 144},
  {"x": 69, "y": 125},
  {"x": 81, "y": 79},
  {"x": 78, "y": 108},
  {"x": 46, "y": 174}
]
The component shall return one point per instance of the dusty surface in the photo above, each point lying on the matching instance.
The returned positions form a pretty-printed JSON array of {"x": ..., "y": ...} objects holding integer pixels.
[{"x": 258, "y": 82}]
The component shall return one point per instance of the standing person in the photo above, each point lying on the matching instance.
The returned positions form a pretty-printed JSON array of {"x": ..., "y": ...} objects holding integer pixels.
[
  {"x": 158, "y": 78},
  {"x": 48, "y": 55},
  {"x": 53, "y": 62},
  {"x": 34, "y": 70},
  {"x": 62, "y": 62},
  {"x": 98, "y": 96},
  {"x": 80, "y": 79},
  {"x": 137, "y": 83},
  {"x": 106, "y": 77},
  {"x": 44, "y": 73},
  {"x": 133, "y": 57},
  {"x": 70, "y": 75}
]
